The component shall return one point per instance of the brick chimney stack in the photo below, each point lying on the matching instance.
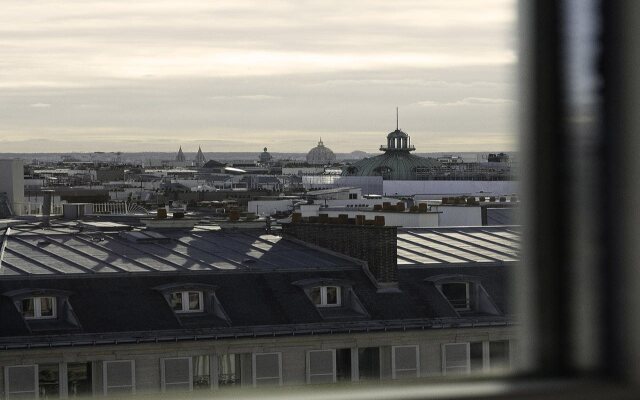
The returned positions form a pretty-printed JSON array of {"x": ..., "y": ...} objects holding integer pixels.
[{"x": 375, "y": 244}]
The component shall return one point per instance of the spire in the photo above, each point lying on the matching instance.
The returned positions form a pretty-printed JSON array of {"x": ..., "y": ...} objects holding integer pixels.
[
  {"x": 397, "y": 125},
  {"x": 320, "y": 142},
  {"x": 180, "y": 157},
  {"x": 200, "y": 160}
]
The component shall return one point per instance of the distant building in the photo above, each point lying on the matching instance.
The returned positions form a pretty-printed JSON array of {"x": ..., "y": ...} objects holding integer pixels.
[
  {"x": 180, "y": 157},
  {"x": 397, "y": 162},
  {"x": 265, "y": 158},
  {"x": 200, "y": 160},
  {"x": 321, "y": 155},
  {"x": 12, "y": 185}
]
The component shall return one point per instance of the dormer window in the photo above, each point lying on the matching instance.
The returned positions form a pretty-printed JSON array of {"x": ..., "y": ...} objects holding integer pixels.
[
  {"x": 186, "y": 302},
  {"x": 333, "y": 299},
  {"x": 465, "y": 294},
  {"x": 458, "y": 295},
  {"x": 39, "y": 307},
  {"x": 326, "y": 296}
]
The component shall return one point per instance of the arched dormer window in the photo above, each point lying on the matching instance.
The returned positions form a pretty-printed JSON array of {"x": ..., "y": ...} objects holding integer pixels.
[
  {"x": 465, "y": 294},
  {"x": 44, "y": 309},
  {"x": 194, "y": 303},
  {"x": 333, "y": 298}
]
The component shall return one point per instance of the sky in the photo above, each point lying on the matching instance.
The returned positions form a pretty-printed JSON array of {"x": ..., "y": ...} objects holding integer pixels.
[{"x": 86, "y": 75}]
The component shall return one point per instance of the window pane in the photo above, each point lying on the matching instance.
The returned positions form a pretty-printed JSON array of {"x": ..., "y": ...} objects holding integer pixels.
[
  {"x": 28, "y": 308},
  {"x": 201, "y": 373},
  {"x": 20, "y": 379},
  {"x": 343, "y": 365},
  {"x": 476, "y": 356},
  {"x": 79, "y": 379},
  {"x": 49, "y": 380},
  {"x": 456, "y": 293},
  {"x": 369, "y": 363},
  {"x": 499, "y": 354},
  {"x": 229, "y": 370},
  {"x": 332, "y": 295},
  {"x": 194, "y": 301},
  {"x": 315, "y": 296},
  {"x": 176, "y": 301},
  {"x": 46, "y": 306}
]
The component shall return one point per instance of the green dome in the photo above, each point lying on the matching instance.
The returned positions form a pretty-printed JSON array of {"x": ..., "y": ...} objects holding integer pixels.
[{"x": 397, "y": 162}]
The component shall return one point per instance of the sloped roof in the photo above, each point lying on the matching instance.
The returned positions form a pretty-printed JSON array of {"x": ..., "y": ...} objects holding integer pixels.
[
  {"x": 401, "y": 165},
  {"x": 57, "y": 251},
  {"x": 255, "y": 275},
  {"x": 252, "y": 301}
]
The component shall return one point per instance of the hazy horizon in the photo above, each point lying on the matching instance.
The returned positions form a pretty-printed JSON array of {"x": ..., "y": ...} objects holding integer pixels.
[{"x": 242, "y": 75}]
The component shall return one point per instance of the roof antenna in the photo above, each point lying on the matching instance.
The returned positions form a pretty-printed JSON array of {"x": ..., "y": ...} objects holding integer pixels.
[{"x": 397, "y": 118}]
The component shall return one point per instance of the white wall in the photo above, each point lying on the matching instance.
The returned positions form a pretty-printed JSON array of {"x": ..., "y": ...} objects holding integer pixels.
[
  {"x": 458, "y": 215},
  {"x": 438, "y": 189},
  {"x": 12, "y": 183},
  {"x": 268, "y": 207}
]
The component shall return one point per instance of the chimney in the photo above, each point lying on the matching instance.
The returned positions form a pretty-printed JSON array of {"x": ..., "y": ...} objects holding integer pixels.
[
  {"x": 47, "y": 198},
  {"x": 375, "y": 244}
]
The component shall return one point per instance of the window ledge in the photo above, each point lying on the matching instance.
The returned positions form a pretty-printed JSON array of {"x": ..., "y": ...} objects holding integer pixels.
[{"x": 577, "y": 389}]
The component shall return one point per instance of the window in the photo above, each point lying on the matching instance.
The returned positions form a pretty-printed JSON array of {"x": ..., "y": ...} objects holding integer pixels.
[
  {"x": 201, "y": 372},
  {"x": 49, "y": 380},
  {"x": 458, "y": 295},
  {"x": 474, "y": 357},
  {"x": 267, "y": 369},
  {"x": 353, "y": 196},
  {"x": 326, "y": 296},
  {"x": 39, "y": 308},
  {"x": 405, "y": 362},
  {"x": 455, "y": 358},
  {"x": 229, "y": 370},
  {"x": 321, "y": 366},
  {"x": 118, "y": 377},
  {"x": 369, "y": 364},
  {"x": 176, "y": 374},
  {"x": 21, "y": 381},
  {"x": 186, "y": 302},
  {"x": 79, "y": 379}
]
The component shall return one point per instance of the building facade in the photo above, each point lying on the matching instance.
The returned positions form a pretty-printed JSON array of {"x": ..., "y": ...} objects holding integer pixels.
[{"x": 112, "y": 308}]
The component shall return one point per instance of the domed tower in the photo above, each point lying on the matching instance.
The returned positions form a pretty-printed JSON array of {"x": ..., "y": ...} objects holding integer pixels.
[
  {"x": 265, "y": 157},
  {"x": 320, "y": 155},
  {"x": 397, "y": 162}
]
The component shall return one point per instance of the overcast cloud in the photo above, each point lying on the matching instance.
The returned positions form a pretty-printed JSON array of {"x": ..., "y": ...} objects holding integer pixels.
[{"x": 240, "y": 75}]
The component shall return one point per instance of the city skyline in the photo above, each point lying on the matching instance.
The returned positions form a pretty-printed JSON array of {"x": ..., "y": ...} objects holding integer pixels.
[{"x": 235, "y": 76}]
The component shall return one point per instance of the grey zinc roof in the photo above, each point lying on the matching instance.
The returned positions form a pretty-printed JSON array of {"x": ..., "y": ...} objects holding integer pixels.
[
  {"x": 63, "y": 251},
  {"x": 402, "y": 165},
  {"x": 457, "y": 245}
]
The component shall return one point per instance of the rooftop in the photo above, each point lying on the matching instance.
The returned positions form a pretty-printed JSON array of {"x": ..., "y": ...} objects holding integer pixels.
[{"x": 67, "y": 250}]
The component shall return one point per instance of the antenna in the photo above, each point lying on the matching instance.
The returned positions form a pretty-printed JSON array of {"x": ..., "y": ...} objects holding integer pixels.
[{"x": 397, "y": 118}]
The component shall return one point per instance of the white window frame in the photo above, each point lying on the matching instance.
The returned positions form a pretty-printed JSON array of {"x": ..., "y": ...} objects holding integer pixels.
[
  {"x": 444, "y": 356},
  {"x": 163, "y": 382},
  {"x": 7, "y": 386},
  {"x": 323, "y": 296},
  {"x": 105, "y": 383},
  {"x": 255, "y": 379},
  {"x": 333, "y": 359},
  {"x": 467, "y": 306},
  {"x": 393, "y": 360},
  {"x": 37, "y": 307},
  {"x": 185, "y": 301}
]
